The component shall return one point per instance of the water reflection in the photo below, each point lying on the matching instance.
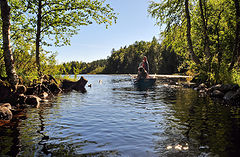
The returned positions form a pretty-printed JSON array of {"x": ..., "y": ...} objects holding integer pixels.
[{"x": 115, "y": 119}]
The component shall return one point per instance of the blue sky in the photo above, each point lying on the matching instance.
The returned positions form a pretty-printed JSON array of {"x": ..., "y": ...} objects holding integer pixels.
[{"x": 96, "y": 42}]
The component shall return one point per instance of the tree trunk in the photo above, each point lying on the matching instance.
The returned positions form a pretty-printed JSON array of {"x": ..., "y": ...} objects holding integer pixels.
[
  {"x": 8, "y": 57},
  {"x": 189, "y": 40},
  {"x": 206, "y": 38},
  {"x": 38, "y": 36},
  {"x": 236, "y": 51}
]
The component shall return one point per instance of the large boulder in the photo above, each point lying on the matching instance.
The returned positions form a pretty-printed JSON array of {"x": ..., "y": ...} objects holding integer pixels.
[
  {"x": 53, "y": 87},
  {"x": 79, "y": 85},
  {"x": 202, "y": 86},
  {"x": 33, "y": 100},
  {"x": 217, "y": 94},
  {"x": 224, "y": 88},
  {"x": 232, "y": 96},
  {"x": 21, "y": 89},
  {"x": 31, "y": 90},
  {"x": 21, "y": 99},
  {"x": 5, "y": 111}
]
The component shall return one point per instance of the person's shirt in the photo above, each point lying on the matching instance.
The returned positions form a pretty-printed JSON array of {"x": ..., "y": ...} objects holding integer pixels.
[{"x": 145, "y": 66}]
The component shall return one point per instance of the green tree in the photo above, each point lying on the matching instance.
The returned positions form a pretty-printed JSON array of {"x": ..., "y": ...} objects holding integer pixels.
[
  {"x": 153, "y": 54},
  {"x": 8, "y": 57},
  {"x": 208, "y": 29},
  {"x": 58, "y": 20},
  {"x": 236, "y": 50}
]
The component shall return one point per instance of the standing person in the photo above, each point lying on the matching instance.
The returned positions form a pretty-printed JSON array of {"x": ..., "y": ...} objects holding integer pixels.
[
  {"x": 145, "y": 64},
  {"x": 143, "y": 69}
]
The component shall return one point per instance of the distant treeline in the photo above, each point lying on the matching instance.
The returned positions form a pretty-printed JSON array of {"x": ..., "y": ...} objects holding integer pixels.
[{"x": 161, "y": 60}]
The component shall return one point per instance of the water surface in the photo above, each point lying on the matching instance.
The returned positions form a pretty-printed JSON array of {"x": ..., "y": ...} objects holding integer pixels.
[{"x": 116, "y": 119}]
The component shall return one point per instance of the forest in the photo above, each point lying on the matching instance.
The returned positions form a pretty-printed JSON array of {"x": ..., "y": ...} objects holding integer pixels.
[
  {"x": 162, "y": 60},
  {"x": 200, "y": 39}
]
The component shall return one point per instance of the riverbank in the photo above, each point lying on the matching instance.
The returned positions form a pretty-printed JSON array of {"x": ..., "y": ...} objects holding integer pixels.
[{"x": 15, "y": 99}]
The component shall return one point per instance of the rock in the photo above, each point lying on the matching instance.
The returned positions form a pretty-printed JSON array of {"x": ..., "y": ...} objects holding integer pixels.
[
  {"x": 21, "y": 99},
  {"x": 203, "y": 91},
  {"x": 217, "y": 94},
  {"x": 5, "y": 112},
  {"x": 188, "y": 85},
  {"x": 7, "y": 105},
  {"x": 30, "y": 90},
  {"x": 229, "y": 95},
  {"x": 172, "y": 82},
  {"x": 229, "y": 87},
  {"x": 72, "y": 85},
  {"x": 33, "y": 100},
  {"x": 232, "y": 95},
  {"x": 80, "y": 89},
  {"x": 202, "y": 86},
  {"x": 53, "y": 87},
  {"x": 215, "y": 87},
  {"x": 224, "y": 88},
  {"x": 21, "y": 89},
  {"x": 47, "y": 79},
  {"x": 44, "y": 95}
]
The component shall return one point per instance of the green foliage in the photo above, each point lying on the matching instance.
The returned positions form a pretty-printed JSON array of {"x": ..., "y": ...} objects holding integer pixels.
[
  {"x": 236, "y": 76},
  {"x": 60, "y": 21},
  {"x": 215, "y": 54},
  {"x": 76, "y": 67},
  {"x": 126, "y": 60}
]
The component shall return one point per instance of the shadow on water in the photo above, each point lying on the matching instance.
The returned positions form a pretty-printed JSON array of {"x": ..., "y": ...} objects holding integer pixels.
[
  {"x": 200, "y": 126},
  {"x": 116, "y": 119},
  {"x": 9, "y": 140}
]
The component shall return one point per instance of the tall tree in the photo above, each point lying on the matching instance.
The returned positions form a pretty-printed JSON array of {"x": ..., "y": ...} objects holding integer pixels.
[
  {"x": 189, "y": 40},
  {"x": 8, "y": 57},
  {"x": 209, "y": 29},
  {"x": 38, "y": 35},
  {"x": 236, "y": 50},
  {"x": 59, "y": 20},
  {"x": 204, "y": 26}
]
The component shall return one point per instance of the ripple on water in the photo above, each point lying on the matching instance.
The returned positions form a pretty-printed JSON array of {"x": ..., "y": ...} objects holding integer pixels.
[{"x": 115, "y": 119}]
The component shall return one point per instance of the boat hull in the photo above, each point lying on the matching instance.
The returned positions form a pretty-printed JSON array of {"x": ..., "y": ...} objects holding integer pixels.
[{"x": 145, "y": 82}]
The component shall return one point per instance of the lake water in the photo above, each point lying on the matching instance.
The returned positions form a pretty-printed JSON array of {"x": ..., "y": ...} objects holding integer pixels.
[{"x": 116, "y": 119}]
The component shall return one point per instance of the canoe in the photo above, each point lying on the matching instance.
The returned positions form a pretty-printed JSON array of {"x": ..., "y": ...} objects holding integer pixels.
[{"x": 148, "y": 82}]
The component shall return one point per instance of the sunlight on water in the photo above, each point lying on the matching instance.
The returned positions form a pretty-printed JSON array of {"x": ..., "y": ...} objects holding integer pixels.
[
  {"x": 116, "y": 119},
  {"x": 178, "y": 147}
]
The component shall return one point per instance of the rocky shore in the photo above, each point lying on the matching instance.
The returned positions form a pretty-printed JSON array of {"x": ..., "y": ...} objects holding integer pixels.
[
  {"x": 227, "y": 93},
  {"x": 13, "y": 100}
]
